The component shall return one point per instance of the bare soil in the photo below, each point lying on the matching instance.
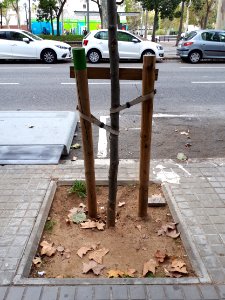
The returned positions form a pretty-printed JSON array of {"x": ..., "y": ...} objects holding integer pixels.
[{"x": 131, "y": 243}]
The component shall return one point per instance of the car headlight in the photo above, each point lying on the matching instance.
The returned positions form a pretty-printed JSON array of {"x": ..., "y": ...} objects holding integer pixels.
[
  {"x": 61, "y": 47},
  {"x": 159, "y": 47}
]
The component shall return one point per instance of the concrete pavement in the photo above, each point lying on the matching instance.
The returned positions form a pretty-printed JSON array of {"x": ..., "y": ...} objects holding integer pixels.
[{"x": 195, "y": 192}]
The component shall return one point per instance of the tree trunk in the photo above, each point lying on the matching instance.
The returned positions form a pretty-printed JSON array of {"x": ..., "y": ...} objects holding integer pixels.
[
  {"x": 146, "y": 24},
  {"x": 155, "y": 23},
  {"x": 104, "y": 14},
  {"x": 206, "y": 15},
  {"x": 115, "y": 102},
  {"x": 181, "y": 22},
  {"x": 51, "y": 20}
]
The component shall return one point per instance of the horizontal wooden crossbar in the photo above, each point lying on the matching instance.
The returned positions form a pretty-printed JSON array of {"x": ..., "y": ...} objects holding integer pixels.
[{"x": 104, "y": 73}]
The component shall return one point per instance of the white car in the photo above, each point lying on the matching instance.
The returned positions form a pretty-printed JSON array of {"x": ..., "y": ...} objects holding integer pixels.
[
  {"x": 21, "y": 44},
  {"x": 130, "y": 46}
]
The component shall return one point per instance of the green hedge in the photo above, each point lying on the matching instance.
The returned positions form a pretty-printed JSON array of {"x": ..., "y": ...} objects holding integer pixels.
[{"x": 63, "y": 38}]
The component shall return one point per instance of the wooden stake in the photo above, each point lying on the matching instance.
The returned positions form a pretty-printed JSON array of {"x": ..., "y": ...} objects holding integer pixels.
[
  {"x": 80, "y": 69},
  {"x": 148, "y": 79}
]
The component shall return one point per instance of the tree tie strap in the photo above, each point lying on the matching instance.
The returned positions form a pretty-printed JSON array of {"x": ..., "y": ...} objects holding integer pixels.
[
  {"x": 92, "y": 119},
  {"x": 133, "y": 102}
]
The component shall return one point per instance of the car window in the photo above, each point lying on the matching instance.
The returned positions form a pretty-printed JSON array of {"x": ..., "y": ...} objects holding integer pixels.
[
  {"x": 3, "y": 35},
  {"x": 124, "y": 37},
  {"x": 16, "y": 36},
  {"x": 102, "y": 35},
  {"x": 190, "y": 35},
  {"x": 222, "y": 36}
]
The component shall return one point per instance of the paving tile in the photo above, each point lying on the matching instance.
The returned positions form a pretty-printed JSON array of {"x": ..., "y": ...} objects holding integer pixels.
[
  {"x": 102, "y": 293},
  {"x": 32, "y": 293},
  {"x": 68, "y": 293},
  {"x": 156, "y": 292},
  {"x": 3, "y": 291},
  {"x": 221, "y": 291},
  {"x": 119, "y": 292},
  {"x": 208, "y": 292},
  {"x": 84, "y": 292},
  {"x": 137, "y": 292},
  {"x": 217, "y": 275},
  {"x": 192, "y": 292},
  {"x": 174, "y": 292},
  {"x": 49, "y": 293},
  {"x": 15, "y": 293}
]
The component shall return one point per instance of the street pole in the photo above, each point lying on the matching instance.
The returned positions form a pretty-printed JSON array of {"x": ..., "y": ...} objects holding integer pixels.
[
  {"x": 88, "y": 19},
  {"x": 29, "y": 15}
]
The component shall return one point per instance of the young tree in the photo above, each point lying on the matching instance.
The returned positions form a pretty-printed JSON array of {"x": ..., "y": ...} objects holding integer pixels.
[
  {"x": 203, "y": 9},
  {"x": 14, "y": 4},
  {"x": 115, "y": 102},
  {"x": 58, "y": 12}
]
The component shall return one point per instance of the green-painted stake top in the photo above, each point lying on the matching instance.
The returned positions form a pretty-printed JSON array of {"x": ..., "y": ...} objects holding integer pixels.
[{"x": 79, "y": 59}]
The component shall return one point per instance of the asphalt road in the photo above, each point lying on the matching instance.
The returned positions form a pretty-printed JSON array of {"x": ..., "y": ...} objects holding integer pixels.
[{"x": 190, "y": 98}]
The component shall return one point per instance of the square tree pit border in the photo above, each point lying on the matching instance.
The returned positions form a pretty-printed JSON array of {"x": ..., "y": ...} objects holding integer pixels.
[{"x": 24, "y": 268}]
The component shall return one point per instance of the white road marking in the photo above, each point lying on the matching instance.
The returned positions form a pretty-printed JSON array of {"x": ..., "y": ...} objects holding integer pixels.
[
  {"x": 202, "y": 67},
  {"x": 19, "y": 68},
  {"x": 103, "y": 83},
  {"x": 206, "y": 82},
  {"x": 172, "y": 116},
  {"x": 102, "y": 139},
  {"x": 9, "y": 83}
]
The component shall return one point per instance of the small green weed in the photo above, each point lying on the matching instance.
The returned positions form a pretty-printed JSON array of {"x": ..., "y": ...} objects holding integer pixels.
[
  {"x": 79, "y": 188},
  {"x": 49, "y": 225}
]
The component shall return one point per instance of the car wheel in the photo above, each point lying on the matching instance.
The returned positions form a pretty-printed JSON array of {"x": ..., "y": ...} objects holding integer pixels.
[
  {"x": 94, "y": 56},
  {"x": 48, "y": 56},
  {"x": 194, "y": 57}
]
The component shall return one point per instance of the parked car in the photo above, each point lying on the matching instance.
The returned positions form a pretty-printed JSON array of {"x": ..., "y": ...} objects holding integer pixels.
[
  {"x": 201, "y": 44},
  {"x": 130, "y": 46},
  {"x": 21, "y": 44}
]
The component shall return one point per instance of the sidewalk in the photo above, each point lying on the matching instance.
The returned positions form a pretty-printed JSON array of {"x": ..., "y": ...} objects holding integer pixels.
[
  {"x": 195, "y": 192},
  {"x": 170, "y": 50}
]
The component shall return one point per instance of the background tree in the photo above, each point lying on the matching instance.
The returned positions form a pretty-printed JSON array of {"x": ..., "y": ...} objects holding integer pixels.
[
  {"x": 204, "y": 10},
  {"x": 46, "y": 11},
  {"x": 58, "y": 12},
  {"x": 162, "y": 8},
  {"x": 14, "y": 4}
]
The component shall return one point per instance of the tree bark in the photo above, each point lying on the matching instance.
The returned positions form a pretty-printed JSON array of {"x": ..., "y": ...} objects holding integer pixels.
[
  {"x": 115, "y": 102},
  {"x": 105, "y": 14},
  {"x": 155, "y": 23},
  {"x": 181, "y": 23}
]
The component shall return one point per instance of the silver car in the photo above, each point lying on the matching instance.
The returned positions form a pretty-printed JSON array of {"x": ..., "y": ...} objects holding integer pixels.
[{"x": 202, "y": 44}]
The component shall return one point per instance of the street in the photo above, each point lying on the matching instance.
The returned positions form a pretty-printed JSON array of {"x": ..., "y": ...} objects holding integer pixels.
[{"x": 188, "y": 107}]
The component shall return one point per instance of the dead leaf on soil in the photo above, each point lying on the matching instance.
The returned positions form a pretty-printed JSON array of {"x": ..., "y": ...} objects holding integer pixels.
[
  {"x": 115, "y": 273},
  {"x": 97, "y": 270},
  {"x": 37, "y": 261},
  {"x": 75, "y": 146},
  {"x": 66, "y": 254},
  {"x": 121, "y": 204},
  {"x": 88, "y": 224},
  {"x": 149, "y": 266},
  {"x": 82, "y": 205},
  {"x": 83, "y": 250},
  {"x": 179, "y": 266},
  {"x": 98, "y": 255},
  {"x": 88, "y": 266},
  {"x": 74, "y": 158},
  {"x": 47, "y": 248},
  {"x": 60, "y": 276},
  {"x": 160, "y": 255},
  {"x": 170, "y": 230},
  {"x": 130, "y": 272},
  {"x": 184, "y": 133},
  {"x": 100, "y": 226}
]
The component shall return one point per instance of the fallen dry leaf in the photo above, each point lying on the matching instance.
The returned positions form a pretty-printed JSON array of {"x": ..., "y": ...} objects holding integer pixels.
[
  {"x": 83, "y": 250},
  {"x": 74, "y": 158},
  {"x": 97, "y": 269},
  {"x": 60, "y": 276},
  {"x": 100, "y": 226},
  {"x": 66, "y": 254},
  {"x": 88, "y": 224},
  {"x": 47, "y": 248},
  {"x": 98, "y": 255},
  {"x": 173, "y": 233},
  {"x": 121, "y": 204},
  {"x": 37, "y": 261},
  {"x": 179, "y": 266},
  {"x": 160, "y": 255},
  {"x": 115, "y": 273},
  {"x": 149, "y": 266},
  {"x": 88, "y": 266},
  {"x": 130, "y": 272},
  {"x": 169, "y": 229}
]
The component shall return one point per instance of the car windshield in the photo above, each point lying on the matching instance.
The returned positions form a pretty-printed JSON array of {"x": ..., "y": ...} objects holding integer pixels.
[
  {"x": 190, "y": 35},
  {"x": 33, "y": 36}
]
